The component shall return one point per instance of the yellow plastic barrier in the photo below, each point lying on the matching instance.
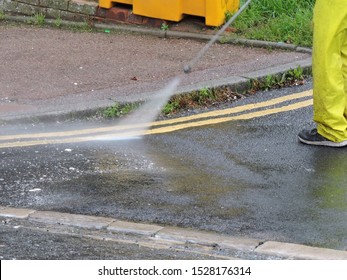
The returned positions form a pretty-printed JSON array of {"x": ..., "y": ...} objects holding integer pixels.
[
  {"x": 107, "y": 4},
  {"x": 214, "y": 11},
  {"x": 163, "y": 9}
]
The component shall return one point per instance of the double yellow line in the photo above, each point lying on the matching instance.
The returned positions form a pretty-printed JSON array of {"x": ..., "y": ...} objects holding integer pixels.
[{"x": 244, "y": 112}]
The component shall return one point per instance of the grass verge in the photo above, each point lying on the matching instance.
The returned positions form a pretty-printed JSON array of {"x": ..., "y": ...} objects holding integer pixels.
[{"x": 288, "y": 21}]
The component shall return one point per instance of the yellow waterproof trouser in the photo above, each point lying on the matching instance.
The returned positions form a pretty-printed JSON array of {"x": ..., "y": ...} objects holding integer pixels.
[{"x": 330, "y": 68}]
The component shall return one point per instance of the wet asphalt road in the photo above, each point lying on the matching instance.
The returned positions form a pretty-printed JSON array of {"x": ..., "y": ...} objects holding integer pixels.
[{"x": 247, "y": 178}]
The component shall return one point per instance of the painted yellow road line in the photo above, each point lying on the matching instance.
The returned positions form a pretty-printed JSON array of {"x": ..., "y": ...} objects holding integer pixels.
[
  {"x": 164, "y": 129},
  {"x": 212, "y": 114},
  {"x": 239, "y": 109},
  {"x": 251, "y": 115}
]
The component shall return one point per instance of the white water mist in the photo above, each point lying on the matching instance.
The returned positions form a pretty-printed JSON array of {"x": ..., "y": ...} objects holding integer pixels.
[{"x": 139, "y": 121}]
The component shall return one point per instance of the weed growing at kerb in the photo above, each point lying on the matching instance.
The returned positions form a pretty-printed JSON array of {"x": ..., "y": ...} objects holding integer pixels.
[
  {"x": 164, "y": 26},
  {"x": 39, "y": 19},
  {"x": 57, "y": 22},
  {"x": 119, "y": 110},
  {"x": 2, "y": 15}
]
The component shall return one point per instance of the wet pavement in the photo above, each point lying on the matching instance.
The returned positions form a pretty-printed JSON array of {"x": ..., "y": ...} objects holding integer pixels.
[{"x": 245, "y": 176}]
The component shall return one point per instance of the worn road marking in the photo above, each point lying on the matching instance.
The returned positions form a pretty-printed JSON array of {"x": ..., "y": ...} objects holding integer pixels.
[
  {"x": 232, "y": 118},
  {"x": 249, "y": 111}
]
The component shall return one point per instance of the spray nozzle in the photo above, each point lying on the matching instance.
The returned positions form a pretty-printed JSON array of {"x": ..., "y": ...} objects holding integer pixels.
[{"x": 187, "y": 69}]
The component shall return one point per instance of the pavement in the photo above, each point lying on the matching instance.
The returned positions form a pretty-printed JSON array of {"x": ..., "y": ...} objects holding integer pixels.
[{"x": 54, "y": 74}]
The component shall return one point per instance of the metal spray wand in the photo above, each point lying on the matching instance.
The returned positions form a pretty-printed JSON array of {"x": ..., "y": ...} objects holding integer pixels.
[{"x": 188, "y": 67}]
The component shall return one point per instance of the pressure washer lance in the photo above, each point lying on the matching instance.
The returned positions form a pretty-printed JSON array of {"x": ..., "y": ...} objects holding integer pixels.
[{"x": 188, "y": 67}]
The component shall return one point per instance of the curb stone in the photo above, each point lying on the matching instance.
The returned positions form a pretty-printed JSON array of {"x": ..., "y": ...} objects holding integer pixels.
[
  {"x": 207, "y": 239},
  {"x": 277, "y": 70},
  {"x": 135, "y": 228},
  {"x": 298, "y": 251},
  {"x": 174, "y": 235},
  {"x": 84, "y": 221},
  {"x": 19, "y": 213}
]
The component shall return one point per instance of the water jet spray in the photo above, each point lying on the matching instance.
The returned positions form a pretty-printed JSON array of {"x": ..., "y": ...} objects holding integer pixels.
[
  {"x": 188, "y": 67},
  {"x": 149, "y": 110}
]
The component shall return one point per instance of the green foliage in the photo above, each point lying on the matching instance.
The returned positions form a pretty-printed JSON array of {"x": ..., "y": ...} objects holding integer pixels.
[
  {"x": 269, "y": 81},
  {"x": 2, "y": 15},
  {"x": 197, "y": 99},
  {"x": 119, "y": 110},
  {"x": 297, "y": 73},
  {"x": 207, "y": 97},
  {"x": 164, "y": 26},
  {"x": 203, "y": 96},
  {"x": 170, "y": 107},
  {"x": 228, "y": 16},
  {"x": 57, "y": 22},
  {"x": 287, "y": 21},
  {"x": 206, "y": 93},
  {"x": 275, "y": 8},
  {"x": 38, "y": 19},
  {"x": 292, "y": 77}
]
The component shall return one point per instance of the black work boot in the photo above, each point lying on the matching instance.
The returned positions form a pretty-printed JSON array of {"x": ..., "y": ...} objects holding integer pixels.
[{"x": 312, "y": 137}]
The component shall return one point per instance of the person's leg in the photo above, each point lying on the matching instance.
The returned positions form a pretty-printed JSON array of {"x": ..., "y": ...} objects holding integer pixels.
[
  {"x": 330, "y": 69},
  {"x": 344, "y": 66}
]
